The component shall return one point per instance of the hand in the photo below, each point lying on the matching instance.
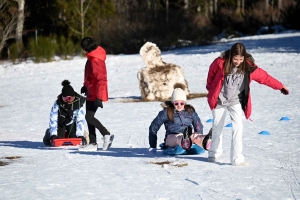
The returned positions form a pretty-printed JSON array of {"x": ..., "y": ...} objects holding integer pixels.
[
  {"x": 284, "y": 90},
  {"x": 83, "y": 140},
  {"x": 152, "y": 150},
  {"x": 98, "y": 103},
  {"x": 83, "y": 90}
]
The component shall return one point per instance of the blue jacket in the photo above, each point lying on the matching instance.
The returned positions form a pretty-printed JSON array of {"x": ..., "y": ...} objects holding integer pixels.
[{"x": 175, "y": 122}]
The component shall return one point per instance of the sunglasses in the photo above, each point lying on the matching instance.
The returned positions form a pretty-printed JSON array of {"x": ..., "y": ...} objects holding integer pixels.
[
  {"x": 68, "y": 98},
  {"x": 179, "y": 103}
]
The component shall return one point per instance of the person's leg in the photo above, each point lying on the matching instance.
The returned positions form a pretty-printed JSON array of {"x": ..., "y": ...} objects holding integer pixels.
[
  {"x": 198, "y": 138},
  {"x": 173, "y": 140},
  {"x": 93, "y": 122},
  {"x": 216, "y": 148},
  {"x": 72, "y": 130},
  {"x": 236, "y": 115},
  {"x": 61, "y": 131}
]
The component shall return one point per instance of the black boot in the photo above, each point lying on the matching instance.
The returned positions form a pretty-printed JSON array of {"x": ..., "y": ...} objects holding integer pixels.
[
  {"x": 186, "y": 142},
  {"x": 46, "y": 139},
  {"x": 207, "y": 139}
]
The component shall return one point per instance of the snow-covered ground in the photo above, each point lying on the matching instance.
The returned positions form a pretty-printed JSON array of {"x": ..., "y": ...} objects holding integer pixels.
[{"x": 127, "y": 171}]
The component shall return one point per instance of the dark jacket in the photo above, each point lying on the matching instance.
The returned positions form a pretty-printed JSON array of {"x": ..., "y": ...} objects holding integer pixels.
[{"x": 175, "y": 122}]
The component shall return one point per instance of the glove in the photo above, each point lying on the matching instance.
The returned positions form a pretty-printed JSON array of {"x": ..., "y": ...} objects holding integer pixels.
[
  {"x": 53, "y": 137},
  {"x": 152, "y": 150},
  {"x": 98, "y": 103},
  {"x": 83, "y": 140},
  {"x": 83, "y": 90},
  {"x": 284, "y": 91}
]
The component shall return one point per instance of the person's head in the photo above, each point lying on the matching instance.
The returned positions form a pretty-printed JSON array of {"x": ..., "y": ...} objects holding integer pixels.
[
  {"x": 178, "y": 99},
  {"x": 236, "y": 57},
  {"x": 88, "y": 44},
  {"x": 67, "y": 92}
]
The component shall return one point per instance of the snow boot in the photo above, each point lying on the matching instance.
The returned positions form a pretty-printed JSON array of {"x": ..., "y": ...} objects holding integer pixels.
[
  {"x": 207, "y": 140},
  {"x": 186, "y": 142},
  {"x": 46, "y": 139}
]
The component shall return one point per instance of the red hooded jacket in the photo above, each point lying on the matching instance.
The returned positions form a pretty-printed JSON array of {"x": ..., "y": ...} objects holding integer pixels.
[
  {"x": 95, "y": 75},
  {"x": 215, "y": 80}
]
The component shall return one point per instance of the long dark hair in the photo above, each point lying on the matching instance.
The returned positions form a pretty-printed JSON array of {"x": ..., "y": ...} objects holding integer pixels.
[{"x": 238, "y": 49}]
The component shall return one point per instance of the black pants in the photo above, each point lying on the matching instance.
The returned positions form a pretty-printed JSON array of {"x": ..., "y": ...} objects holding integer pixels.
[
  {"x": 71, "y": 131},
  {"x": 61, "y": 133},
  {"x": 93, "y": 123}
]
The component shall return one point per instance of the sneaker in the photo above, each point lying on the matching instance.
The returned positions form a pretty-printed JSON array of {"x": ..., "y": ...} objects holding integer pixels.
[
  {"x": 107, "y": 141},
  {"x": 89, "y": 147},
  {"x": 207, "y": 140}
]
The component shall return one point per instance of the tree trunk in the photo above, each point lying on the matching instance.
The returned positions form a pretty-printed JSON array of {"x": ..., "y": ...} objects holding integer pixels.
[
  {"x": 266, "y": 4},
  {"x": 238, "y": 8},
  {"x": 280, "y": 4},
  {"x": 20, "y": 24},
  {"x": 216, "y": 6}
]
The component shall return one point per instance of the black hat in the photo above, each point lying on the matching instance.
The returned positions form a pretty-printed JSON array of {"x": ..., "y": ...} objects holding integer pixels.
[{"x": 67, "y": 89}]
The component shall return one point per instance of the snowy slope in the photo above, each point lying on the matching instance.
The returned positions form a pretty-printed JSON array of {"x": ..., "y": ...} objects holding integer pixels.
[{"x": 127, "y": 171}]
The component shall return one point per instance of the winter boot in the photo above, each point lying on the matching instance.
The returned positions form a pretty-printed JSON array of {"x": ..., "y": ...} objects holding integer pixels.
[
  {"x": 207, "y": 140},
  {"x": 107, "y": 141},
  {"x": 186, "y": 142},
  {"x": 46, "y": 139}
]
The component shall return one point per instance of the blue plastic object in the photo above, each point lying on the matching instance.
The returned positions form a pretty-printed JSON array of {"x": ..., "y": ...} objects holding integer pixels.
[
  {"x": 229, "y": 125},
  {"x": 264, "y": 133},
  {"x": 195, "y": 149},
  {"x": 209, "y": 120},
  {"x": 284, "y": 119}
]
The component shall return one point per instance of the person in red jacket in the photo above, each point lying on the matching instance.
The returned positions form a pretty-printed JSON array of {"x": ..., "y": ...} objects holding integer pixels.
[
  {"x": 95, "y": 89},
  {"x": 228, "y": 85}
]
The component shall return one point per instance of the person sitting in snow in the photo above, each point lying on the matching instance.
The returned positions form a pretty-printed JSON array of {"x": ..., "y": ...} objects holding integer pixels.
[
  {"x": 67, "y": 114},
  {"x": 179, "y": 119}
]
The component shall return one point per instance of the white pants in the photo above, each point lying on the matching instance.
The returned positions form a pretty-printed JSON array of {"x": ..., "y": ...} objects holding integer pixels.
[{"x": 216, "y": 149}]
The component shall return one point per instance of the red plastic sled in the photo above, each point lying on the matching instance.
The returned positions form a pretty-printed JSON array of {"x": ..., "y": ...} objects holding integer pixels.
[{"x": 66, "y": 142}]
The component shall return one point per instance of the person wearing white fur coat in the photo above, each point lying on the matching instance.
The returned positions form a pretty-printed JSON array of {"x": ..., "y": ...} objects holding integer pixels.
[{"x": 179, "y": 119}]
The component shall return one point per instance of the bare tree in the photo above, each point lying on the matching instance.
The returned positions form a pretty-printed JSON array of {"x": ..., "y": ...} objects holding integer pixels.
[
  {"x": 76, "y": 19},
  {"x": 7, "y": 25},
  {"x": 279, "y": 4},
  {"x": 266, "y": 4},
  {"x": 20, "y": 23}
]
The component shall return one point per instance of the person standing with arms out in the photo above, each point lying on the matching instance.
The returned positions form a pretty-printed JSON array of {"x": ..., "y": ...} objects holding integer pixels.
[
  {"x": 228, "y": 85},
  {"x": 95, "y": 89}
]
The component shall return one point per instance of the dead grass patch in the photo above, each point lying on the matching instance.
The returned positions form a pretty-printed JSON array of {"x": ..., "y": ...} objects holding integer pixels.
[
  {"x": 176, "y": 164},
  {"x": 12, "y": 157},
  {"x": 2, "y": 163}
]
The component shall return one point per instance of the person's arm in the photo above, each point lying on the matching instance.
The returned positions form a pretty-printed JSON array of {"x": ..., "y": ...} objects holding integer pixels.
[
  {"x": 198, "y": 126},
  {"x": 213, "y": 69},
  {"x": 53, "y": 119},
  {"x": 155, "y": 126},
  {"x": 80, "y": 118},
  {"x": 262, "y": 77},
  {"x": 99, "y": 71}
]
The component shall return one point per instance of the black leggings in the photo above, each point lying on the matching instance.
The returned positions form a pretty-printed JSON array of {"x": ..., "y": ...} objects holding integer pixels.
[
  {"x": 93, "y": 123},
  {"x": 71, "y": 131}
]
